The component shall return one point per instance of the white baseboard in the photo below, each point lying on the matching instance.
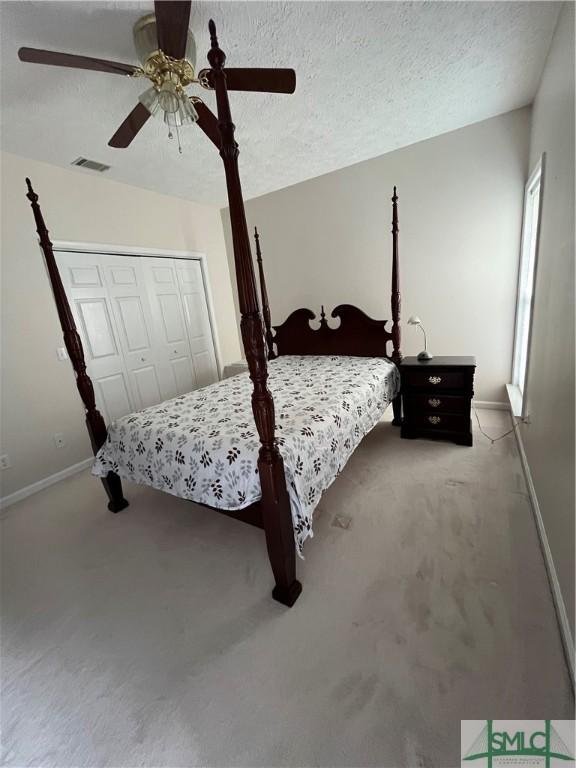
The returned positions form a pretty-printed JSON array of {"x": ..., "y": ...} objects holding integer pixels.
[
  {"x": 559, "y": 605},
  {"x": 28, "y": 490},
  {"x": 493, "y": 404}
]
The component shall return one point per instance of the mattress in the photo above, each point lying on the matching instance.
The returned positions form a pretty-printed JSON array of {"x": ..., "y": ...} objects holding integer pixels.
[{"x": 203, "y": 446}]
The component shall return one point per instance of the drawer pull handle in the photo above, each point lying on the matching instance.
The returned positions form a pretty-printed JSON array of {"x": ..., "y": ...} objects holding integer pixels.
[
  {"x": 434, "y": 379},
  {"x": 434, "y": 419},
  {"x": 434, "y": 402}
]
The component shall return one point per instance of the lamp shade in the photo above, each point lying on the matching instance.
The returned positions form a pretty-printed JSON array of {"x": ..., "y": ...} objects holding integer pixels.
[
  {"x": 180, "y": 109},
  {"x": 168, "y": 96},
  {"x": 150, "y": 100},
  {"x": 414, "y": 320},
  {"x": 184, "y": 115}
]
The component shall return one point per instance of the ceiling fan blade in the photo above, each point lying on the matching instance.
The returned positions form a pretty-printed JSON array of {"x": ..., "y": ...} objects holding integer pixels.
[
  {"x": 172, "y": 18},
  {"x": 58, "y": 59},
  {"x": 130, "y": 127},
  {"x": 208, "y": 122},
  {"x": 249, "y": 79}
]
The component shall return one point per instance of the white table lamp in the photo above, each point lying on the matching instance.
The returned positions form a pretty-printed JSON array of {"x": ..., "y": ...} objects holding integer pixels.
[{"x": 415, "y": 320}]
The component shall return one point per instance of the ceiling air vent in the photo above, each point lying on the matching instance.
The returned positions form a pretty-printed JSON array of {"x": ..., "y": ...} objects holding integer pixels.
[{"x": 92, "y": 165}]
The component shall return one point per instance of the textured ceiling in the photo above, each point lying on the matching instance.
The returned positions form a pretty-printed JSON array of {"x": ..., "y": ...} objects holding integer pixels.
[{"x": 371, "y": 77}]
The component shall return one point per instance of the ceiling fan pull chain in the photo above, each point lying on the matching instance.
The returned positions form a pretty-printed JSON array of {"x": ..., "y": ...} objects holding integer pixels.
[{"x": 179, "y": 145}]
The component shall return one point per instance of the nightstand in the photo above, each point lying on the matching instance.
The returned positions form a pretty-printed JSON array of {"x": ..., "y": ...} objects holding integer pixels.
[{"x": 436, "y": 398}]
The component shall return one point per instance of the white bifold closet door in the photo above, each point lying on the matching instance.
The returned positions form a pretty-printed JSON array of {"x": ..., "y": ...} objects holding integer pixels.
[{"x": 144, "y": 325}]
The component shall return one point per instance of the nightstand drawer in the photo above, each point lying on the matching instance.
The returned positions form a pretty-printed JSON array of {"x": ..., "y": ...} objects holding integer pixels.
[
  {"x": 434, "y": 379},
  {"x": 436, "y": 402},
  {"x": 441, "y": 422}
]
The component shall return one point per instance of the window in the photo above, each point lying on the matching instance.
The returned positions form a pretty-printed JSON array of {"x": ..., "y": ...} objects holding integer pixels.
[{"x": 525, "y": 297}]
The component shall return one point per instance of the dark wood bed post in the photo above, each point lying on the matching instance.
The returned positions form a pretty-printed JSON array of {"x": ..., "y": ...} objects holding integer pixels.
[
  {"x": 264, "y": 298},
  {"x": 276, "y": 513},
  {"x": 94, "y": 421},
  {"x": 395, "y": 302}
]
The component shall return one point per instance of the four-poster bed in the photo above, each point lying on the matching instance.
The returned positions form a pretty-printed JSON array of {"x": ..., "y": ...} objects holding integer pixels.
[{"x": 350, "y": 362}]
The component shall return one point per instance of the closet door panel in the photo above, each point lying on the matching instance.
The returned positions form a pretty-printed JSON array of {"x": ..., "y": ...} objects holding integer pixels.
[
  {"x": 85, "y": 285},
  {"x": 114, "y": 397},
  {"x": 134, "y": 324},
  {"x": 122, "y": 274},
  {"x": 184, "y": 374},
  {"x": 171, "y": 313},
  {"x": 197, "y": 320},
  {"x": 147, "y": 386},
  {"x": 95, "y": 321},
  {"x": 80, "y": 277},
  {"x": 167, "y": 310},
  {"x": 138, "y": 336},
  {"x": 162, "y": 271}
]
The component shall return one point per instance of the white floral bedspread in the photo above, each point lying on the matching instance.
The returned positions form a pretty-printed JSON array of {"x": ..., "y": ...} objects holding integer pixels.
[{"x": 203, "y": 446}]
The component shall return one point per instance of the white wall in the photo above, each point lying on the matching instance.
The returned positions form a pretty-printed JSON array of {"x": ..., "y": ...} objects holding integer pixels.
[
  {"x": 328, "y": 241},
  {"x": 549, "y": 438},
  {"x": 39, "y": 396}
]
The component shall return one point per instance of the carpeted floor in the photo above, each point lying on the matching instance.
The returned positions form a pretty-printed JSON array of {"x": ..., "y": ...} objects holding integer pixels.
[{"x": 149, "y": 638}]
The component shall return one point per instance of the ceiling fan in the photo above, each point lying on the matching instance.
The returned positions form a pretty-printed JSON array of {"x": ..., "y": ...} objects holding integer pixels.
[{"x": 167, "y": 52}]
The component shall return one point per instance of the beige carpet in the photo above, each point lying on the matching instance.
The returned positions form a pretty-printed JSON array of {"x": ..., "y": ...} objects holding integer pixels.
[{"x": 149, "y": 638}]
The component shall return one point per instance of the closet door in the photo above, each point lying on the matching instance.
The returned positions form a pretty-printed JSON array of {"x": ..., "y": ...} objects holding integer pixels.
[
  {"x": 197, "y": 320},
  {"x": 144, "y": 326},
  {"x": 85, "y": 285},
  {"x": 136, "y": 332},
  {"x": 169, "y": 323}
]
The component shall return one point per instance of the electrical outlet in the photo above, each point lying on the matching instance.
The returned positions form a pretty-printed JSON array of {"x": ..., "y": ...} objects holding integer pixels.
[
  {"x": 59, "y": 440},
  {"x": 5, "y": 462},
  {"x": 61, "y": 353}
]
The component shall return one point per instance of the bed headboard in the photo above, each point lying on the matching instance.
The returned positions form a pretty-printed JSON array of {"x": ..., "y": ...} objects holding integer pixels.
[{"x": 357, "y": 334}]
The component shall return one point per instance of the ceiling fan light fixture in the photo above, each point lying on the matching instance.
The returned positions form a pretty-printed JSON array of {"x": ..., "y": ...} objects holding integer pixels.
[
  {"x": 181, "y": 109},
  {"x": 184, "y": 115},
  {"x": 169, "y": 94},
  {"x": 150, "y": 100}
]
